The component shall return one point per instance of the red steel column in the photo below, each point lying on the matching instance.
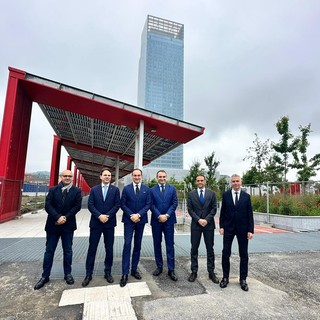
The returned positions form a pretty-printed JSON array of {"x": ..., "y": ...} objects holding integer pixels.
[
  {"x": 69, "y": 163},
  {"x": 13, "y": 145},
  {"x": 75, "y": 172},
  {"x": 55, "y": 161}
]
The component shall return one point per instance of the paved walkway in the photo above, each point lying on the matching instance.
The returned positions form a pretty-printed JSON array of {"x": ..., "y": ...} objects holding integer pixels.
[{"x": 284, "y": 278}]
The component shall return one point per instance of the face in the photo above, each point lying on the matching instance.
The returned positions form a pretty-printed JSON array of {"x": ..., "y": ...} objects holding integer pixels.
[
  {"x": 66, "y": 177},
  {"x": 200, "y": 181},
  {"x": 136, "y": 176},
  {"x": 236, "y": 183},
  {"x": 105, "y": 177},
  {"x": 161, "y": 177}
]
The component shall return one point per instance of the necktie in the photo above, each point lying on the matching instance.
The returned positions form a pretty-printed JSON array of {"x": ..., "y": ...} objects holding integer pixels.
[
  {"x": 137, "y": 189},
  {"x": 236, "y": 199},
  {"x": 64, "y": 195},
  {"x": 162, "y": 189},
  {"x": 201, "y": 196},
  {"x": 105, "y": 190}
]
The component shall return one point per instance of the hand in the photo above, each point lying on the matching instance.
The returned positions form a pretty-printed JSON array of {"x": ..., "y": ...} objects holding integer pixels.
[
  {"x": 249, "y": 235},
  {"x": 103, "y": 218},
  {"x": 61, "y": 220},
  {"x": 221, "y": 231},
  {"x": 135, "y": 217},
  {"x": 163, "y": 218},
  {"x": 202, "y": 222}
]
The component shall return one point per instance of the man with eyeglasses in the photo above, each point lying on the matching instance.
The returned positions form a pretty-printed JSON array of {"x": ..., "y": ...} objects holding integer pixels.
[{"x": 62, "y": 204}]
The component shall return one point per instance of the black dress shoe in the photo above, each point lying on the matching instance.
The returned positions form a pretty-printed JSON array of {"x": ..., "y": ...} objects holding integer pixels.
[
  {"x": 172, "y": 275},
  {"x": 41, "y": 283},
  {"x": 86, "y": 281},
  {"x": 136, "y": 275},
  {"x": 244, "y": 285},
  {"x": 213, "y": 277},
  {"x": 157, "y": 272},
  {"x": 69, "y": 279},
  {"x": 192, "y": 277},
  {"x": 224, "y": 282},
  {"x": 123, "y": 280},
  {"x": 109, "y": 278}
]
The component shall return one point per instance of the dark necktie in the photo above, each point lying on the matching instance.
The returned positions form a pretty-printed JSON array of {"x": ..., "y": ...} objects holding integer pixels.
[
  {"x": 201, "y": 196},
  {"x": 137, "y": 189},
  {"x": 64, "y": 195},
  {"x": 237, "y": 199},
  {"x": 162, "y": 189}
]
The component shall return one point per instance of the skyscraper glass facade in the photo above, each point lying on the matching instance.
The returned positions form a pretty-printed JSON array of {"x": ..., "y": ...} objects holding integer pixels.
[{"x": 160, "y": 87}]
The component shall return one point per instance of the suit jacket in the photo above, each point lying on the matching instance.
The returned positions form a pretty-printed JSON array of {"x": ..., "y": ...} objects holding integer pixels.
[
  {"x": 132, "y": 203},
  {"x": 236, "y": 218},
  {"x": 164, "y": 204},
  {"x": 69, "y": 208},
  {"x": 98, "y": 206},
  {"x": 202, "y": 211}
]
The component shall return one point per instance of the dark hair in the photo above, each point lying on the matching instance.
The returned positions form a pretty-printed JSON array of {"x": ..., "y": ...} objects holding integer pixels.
[
  {"x": 136, "y": 169},
  {"x": 160, "y": 171},
  {"x": 104, "y": 169}
]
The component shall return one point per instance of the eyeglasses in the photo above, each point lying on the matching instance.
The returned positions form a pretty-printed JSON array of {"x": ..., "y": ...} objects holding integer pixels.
[{"x": 66, "y": 176}]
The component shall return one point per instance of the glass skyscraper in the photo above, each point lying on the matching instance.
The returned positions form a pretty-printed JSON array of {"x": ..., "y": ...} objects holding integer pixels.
[{"x": 160, "y": 86}]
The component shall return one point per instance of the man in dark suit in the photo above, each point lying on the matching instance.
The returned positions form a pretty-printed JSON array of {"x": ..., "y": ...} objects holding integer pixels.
[
  {"x": 236, "y": 219},
  {"x": 103, "y": 203},
  {"x": 202, "y": 207},
  {"x": 163, "y": 218},
  {"x": 62, "y": 204},
  {"x": 135, "y": 203}
]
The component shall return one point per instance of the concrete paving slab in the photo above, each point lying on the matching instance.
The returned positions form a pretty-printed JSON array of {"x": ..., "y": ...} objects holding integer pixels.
[{"x": 105, "y": 302}]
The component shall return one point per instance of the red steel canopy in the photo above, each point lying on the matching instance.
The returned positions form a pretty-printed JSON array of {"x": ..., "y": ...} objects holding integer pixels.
[{"x": 98, "y": 131}]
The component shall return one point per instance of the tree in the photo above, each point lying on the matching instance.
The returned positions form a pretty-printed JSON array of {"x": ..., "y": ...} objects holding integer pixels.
[
  {"x": 259, "y": 155},
  {"x": 306, "y": 168},
  {"x": 283, "y": 148},
  {"x": 250, "y": 177},
  {"x": 190, "y": 179},
  {"x": 212, "y": 165},
  {"x": 272, "y": 172}
]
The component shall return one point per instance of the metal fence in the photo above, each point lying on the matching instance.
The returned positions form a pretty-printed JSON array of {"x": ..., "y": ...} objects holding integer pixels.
[{"x": 290, "y": 198}]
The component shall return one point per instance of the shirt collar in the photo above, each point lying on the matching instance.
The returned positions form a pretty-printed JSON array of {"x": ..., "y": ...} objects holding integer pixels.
[
  {"x": 134, "y": 185},
  {"x": 102, "y": 185}
]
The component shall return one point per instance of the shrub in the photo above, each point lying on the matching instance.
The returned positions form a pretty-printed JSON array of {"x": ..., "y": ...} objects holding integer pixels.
[{"x": 293, "y": 205}]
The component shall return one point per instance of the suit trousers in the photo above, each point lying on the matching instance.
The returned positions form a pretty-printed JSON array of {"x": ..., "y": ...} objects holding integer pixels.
[
  {"x": 94, "y": 239},
  {"x": 243, "y": 253},
  {"x": 51, "y": 245},
  {"x": 132, "y": 230},
  {"x": 168, "y": 231},
  {"x": 208, "y": 236}
]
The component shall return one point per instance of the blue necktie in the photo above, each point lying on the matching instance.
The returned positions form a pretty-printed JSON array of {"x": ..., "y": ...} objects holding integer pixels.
[
  {"x": 201, "y": 196},
  {"x": 105, "y": 189}
]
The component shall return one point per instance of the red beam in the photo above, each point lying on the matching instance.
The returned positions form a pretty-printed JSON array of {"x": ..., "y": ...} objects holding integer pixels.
[{"x": 55, "y": 161}]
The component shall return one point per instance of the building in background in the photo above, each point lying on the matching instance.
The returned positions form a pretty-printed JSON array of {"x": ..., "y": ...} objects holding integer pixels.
[{"x": 161, "y": 72}]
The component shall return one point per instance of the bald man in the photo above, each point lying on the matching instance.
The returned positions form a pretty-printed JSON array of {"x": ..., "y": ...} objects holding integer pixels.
[{"x": 62, "y": 204}]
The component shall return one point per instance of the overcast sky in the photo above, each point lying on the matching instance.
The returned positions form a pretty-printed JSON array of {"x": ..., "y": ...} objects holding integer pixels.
[{"x": 247, "y": 64}]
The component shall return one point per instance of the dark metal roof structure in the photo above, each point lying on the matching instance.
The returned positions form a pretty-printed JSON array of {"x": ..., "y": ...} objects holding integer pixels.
[{"x": 98, "y": 131}]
